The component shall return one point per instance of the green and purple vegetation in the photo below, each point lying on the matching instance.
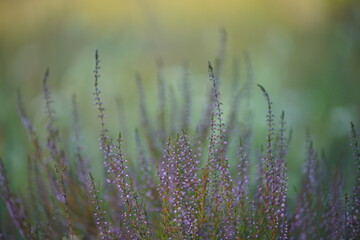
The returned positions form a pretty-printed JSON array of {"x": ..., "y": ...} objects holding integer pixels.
[{"x": 184, "y": 182}]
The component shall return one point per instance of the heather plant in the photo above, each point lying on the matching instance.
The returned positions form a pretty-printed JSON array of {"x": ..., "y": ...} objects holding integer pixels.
[{"x": 182, "y": 184}]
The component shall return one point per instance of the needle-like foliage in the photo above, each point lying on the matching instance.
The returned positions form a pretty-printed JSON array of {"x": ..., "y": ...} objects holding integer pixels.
[{"x": 181, "y": 184}]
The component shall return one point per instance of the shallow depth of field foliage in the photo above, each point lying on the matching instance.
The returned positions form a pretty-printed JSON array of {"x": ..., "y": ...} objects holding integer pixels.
[
  {"x": 180, "y": 185},
  {"x": 176, "y": 146}
]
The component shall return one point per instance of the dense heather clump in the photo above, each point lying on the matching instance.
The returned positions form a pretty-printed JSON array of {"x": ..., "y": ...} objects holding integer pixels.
[{"x": 180, "y": 184}]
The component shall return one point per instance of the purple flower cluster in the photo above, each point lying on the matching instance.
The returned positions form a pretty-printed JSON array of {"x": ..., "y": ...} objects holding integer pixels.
[{"x": 195, "y": 185}]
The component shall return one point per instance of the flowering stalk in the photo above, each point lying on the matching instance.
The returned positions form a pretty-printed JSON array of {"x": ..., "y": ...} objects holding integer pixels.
[
  {"x": 101, "y": 223},
  {"x": 114, "y": 161},
  {"x": 14, "y": 206},
  {"x": 353, "y": 211}
]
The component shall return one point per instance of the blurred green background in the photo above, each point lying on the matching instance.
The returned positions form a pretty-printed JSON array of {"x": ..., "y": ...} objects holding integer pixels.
[{"x": 306, "y": 53}]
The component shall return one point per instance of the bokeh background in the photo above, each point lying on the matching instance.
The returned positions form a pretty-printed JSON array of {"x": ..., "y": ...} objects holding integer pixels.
[{"x": 306, "y": 53}]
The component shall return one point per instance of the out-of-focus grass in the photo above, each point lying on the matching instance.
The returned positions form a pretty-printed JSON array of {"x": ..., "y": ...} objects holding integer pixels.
[{"x": 304, "y": 52}]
